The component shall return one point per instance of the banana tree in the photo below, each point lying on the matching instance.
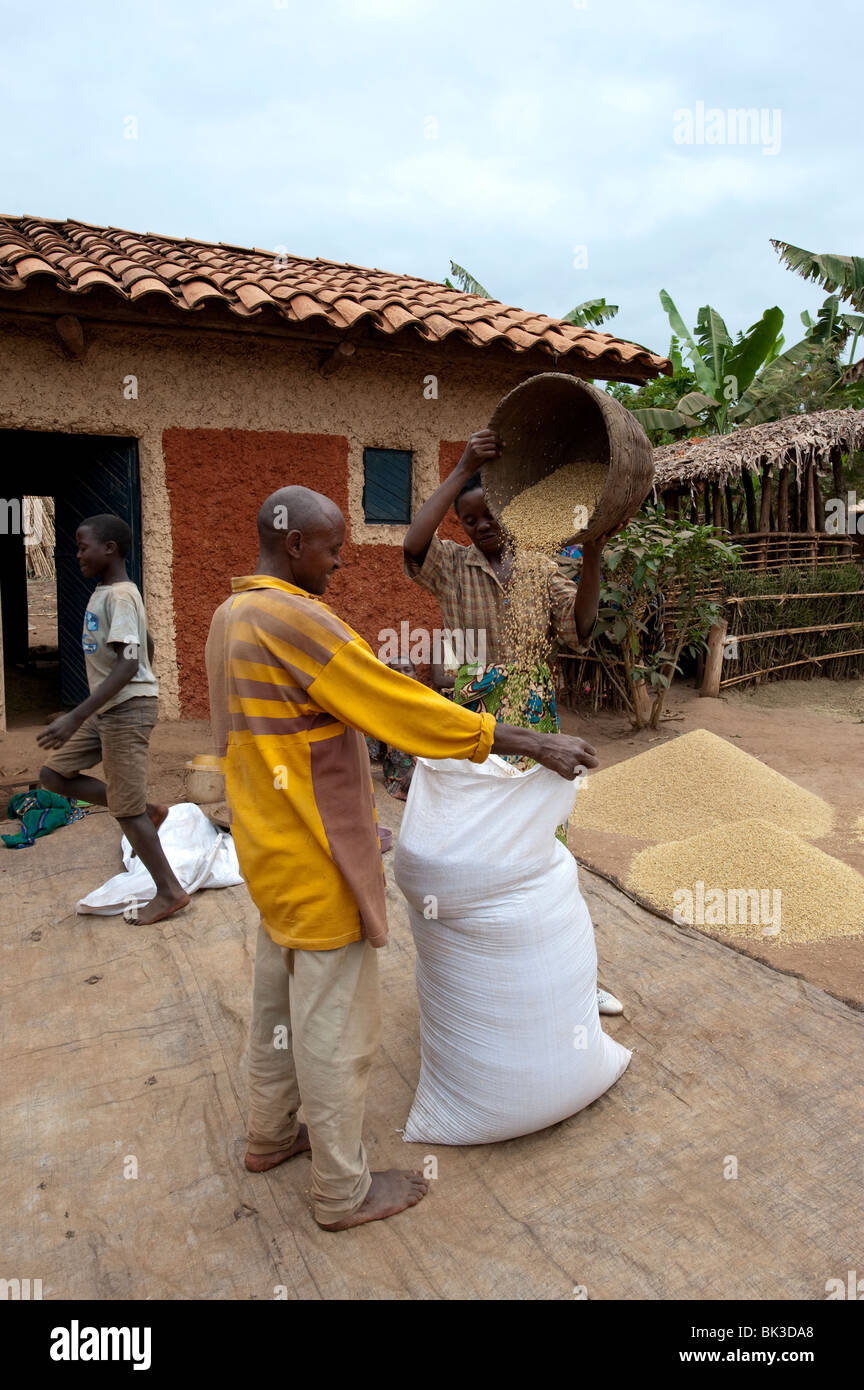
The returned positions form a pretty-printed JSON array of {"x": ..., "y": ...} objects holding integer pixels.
[
  {"x": 724, "y": 369},
  {"x": 807, "y": 375},
  {"x": 589, "y": 314},
  {"x": 465, "y": 282},
  {"x": 837, "y": 274}
]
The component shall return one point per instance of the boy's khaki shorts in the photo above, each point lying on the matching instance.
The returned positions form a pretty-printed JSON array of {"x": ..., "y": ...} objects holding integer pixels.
[{"x": 119, "y": 738}]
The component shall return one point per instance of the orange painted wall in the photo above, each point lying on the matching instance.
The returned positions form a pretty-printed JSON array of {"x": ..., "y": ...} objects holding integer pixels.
[
  {"x": 449, "y": 455},
  {"x": 216, "y": 481}
]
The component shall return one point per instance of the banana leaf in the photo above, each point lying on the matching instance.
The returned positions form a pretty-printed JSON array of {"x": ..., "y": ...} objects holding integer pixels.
[
  {"x": 714, "y": 340},
  {"x": 591, "y": 312},
  {"x": 702, "y": 373},
  {"x": 748, "y": 355},
  {"x": 466, "y": 282},
  {"x": 837, "y": 274},
  {"x": 657, "y": 419}
]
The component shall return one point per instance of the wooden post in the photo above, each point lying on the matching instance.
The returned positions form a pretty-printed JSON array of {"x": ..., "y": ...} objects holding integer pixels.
[
  {"x": 819, "y": 502},
  {"x": 334, "y": 361},
  {"x": 837, "y": 472},
  {"x": 765, "y": 503},
  {"x": 714, "y": 659},
  {"x": 783, "y": 500},
  {"x": 717, "y": 505},
  {"x": 747, "y": 481},
  {"x": 739, "y": 512},
  {"x": 730, "y": 509},
  {"x": 794, "y": 519},
  {"x": 809, "y": 488}
]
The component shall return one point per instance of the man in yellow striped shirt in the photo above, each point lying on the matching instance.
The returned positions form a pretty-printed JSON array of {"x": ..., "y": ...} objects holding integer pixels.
[{"x": 293, "y": 691}]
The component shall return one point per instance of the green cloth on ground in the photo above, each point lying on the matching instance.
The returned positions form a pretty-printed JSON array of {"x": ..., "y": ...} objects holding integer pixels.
[{"x": 40, "y": 812}]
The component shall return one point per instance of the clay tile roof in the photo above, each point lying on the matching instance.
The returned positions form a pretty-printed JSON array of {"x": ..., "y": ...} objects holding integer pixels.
[{"x": 193, "y": 274}]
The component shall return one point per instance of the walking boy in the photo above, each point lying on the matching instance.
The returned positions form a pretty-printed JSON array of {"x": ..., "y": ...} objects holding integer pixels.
[{"x": 113, "y": 725}]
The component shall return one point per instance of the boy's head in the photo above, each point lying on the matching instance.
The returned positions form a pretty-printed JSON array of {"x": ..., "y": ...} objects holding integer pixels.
[
  {"x": 478, "y": 523},
  {"x": 102, "y": 541}
]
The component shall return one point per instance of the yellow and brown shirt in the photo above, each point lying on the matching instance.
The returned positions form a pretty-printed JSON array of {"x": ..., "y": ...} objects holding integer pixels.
[{"x": 293, "y": 690}]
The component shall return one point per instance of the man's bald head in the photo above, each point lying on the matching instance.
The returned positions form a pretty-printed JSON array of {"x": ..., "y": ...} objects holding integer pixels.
[
  {"x": 300, "y": 534},
  {"x": 294, "y": 509}
]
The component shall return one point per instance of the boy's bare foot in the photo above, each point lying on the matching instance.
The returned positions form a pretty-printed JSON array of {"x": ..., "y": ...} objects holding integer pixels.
[
  {"x": 156, "y": 910},
  {"x": 391, "y": 1192},
  {"x": 260, "y": 1163},
  {"x": 157, "y": 813}
]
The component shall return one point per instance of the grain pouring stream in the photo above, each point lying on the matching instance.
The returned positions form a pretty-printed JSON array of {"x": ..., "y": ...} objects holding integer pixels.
[{"x": 538, "y": 520}]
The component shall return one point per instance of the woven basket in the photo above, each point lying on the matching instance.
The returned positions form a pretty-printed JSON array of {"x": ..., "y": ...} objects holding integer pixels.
[{"x": 554, "y": 419}]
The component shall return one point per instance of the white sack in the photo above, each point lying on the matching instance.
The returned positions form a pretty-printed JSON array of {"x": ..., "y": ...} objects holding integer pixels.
[
  {"x": 507, "y": 970},
  {"x": 200, "y": 854}
]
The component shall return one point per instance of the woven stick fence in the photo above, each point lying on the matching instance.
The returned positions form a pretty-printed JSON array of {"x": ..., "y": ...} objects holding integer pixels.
[{"x": 40, "y": 555}]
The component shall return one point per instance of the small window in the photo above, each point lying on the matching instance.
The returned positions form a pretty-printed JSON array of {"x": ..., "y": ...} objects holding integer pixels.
[{"x": 387, "y": 485}]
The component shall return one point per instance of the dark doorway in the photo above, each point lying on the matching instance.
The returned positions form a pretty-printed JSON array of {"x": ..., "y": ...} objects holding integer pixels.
[{"x": 85, "y": 474}]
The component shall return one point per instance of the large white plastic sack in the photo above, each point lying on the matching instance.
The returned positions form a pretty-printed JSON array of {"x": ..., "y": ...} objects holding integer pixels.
[
  {"x": 200, "y": 854},
  {"x": 506, "y": 961}
]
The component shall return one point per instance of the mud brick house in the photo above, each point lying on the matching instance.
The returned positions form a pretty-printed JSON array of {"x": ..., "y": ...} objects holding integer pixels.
[{"x": 179, "y": 382}]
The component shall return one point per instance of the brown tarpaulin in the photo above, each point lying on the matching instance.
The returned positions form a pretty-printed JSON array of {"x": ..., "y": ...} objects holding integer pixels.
[{"x": 127, "y": 1043}]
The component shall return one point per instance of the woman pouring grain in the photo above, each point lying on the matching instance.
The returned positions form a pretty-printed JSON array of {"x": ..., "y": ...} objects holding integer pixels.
[{"x": 515, "y": 629}]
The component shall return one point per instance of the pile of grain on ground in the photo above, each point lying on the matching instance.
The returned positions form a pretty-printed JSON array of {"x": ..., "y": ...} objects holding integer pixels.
[
  {"x": 694, "y": 783},
  {"x": 819, "y": 896},
  {"x": 545, "y": 514}
]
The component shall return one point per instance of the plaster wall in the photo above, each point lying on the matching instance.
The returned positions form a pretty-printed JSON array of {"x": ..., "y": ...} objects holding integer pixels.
[{"x": 150, "y": 384}]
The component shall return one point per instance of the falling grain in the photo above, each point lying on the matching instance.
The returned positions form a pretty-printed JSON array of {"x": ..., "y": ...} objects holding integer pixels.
[{"x": 537, "y": 521}]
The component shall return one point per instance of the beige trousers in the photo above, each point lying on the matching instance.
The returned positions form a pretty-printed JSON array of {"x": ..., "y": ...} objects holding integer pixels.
[{"x": 316, "y": 1025}]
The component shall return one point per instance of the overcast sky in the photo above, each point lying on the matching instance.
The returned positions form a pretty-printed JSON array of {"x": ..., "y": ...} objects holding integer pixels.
[{"x": 520, "y": 139}]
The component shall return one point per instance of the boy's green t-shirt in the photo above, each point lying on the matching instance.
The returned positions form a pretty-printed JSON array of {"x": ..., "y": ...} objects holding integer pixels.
[{"x": 115, "y": 613}]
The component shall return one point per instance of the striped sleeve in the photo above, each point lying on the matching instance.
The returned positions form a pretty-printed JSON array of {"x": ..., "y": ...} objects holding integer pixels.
[
  {"x": 360, "y": 690},
  {"x": 436, "y": 572}
]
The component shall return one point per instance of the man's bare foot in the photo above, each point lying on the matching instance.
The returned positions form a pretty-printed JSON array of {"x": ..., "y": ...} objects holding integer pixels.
[
  {"x": 157, "y": 813},
  {"x": 260, "y": 1163},
  {"x": 156, "y": 910},
  {"x": 391, "y": 1192}
]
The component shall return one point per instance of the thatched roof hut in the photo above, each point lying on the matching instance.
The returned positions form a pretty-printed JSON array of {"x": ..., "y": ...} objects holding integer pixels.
[
  {"x": 797, "y": 442},
  {"x": 717, "y": 471}
]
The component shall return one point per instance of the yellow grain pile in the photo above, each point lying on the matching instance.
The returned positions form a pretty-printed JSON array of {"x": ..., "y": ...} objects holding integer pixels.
[
  {"x": 691, "y": 784},
  {"x": 748, "y": 878},
  {"x": 547, "y": 513}
]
